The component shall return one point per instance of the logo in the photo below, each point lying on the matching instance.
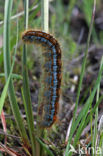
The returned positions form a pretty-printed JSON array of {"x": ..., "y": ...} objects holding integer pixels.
[
  {"x": 72, "y": 149},
  {"x": 85, "y": 150}
]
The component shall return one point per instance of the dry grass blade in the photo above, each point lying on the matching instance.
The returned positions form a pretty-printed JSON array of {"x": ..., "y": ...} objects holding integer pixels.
[{"x": 8, "y": 150}]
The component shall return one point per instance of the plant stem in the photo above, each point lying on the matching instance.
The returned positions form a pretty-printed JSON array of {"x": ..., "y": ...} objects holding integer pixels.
[
  {"x": 45, "y": 14},
  {"x": 26, "y": 89},
  {"x": 7, "y": 67}
]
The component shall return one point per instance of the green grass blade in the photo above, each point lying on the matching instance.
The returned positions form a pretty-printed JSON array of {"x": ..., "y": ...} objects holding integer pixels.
[
  {"x": 93, "y": 111},
  {"x": 26, "y": 90},
  {"x": 85, "y": 109},
  {"x": 87, "y": 9},
  {"x": 96, "y": 115},
  {"x": 83, "y": 114},
  {"x": 45, "y": 147},
  {"x": 14, "y": 76},
  {"x": 21, "y": 13},
  {"x": 7, "y": 67},
  {"x": 87, "y": 104},
  {"x": 4, "y": 93},
  {"x": 81, "y": 79}
]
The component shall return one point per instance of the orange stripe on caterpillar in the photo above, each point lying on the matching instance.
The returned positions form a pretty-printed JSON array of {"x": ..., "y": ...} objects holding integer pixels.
[{"x": 51, "y": 75}]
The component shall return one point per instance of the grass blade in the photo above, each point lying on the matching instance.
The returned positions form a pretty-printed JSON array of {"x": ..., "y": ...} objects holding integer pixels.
[
  {"x": 4, "y": 93},
  {"x": 14, "y": 76},
  {"x": 88, "y": 104},
  {"x": 81, "y": 78},
  {"x": 83, "y": 114},
  {"x": 7, "y": 67},
  {"x": 26, "y": 90},
  {"x": 94, "y": 142},
  {"x": 45, "y": 147},
  {"x": 45, "y": 14}
]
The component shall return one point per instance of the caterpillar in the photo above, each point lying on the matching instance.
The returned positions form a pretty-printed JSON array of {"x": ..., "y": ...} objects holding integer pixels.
[{"x": 51, "y": 75}]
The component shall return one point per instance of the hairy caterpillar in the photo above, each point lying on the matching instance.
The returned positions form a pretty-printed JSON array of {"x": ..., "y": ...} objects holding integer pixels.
[{"x": 51, "y": 74}]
